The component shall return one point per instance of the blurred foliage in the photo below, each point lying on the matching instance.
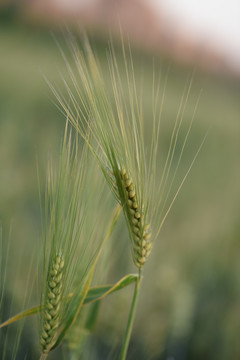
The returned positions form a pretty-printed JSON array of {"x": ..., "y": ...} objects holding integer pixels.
[{"x": 190, "y": 302}]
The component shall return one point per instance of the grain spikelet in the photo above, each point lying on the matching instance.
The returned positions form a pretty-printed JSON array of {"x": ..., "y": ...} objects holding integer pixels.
[{"x": 52, "y": 306}]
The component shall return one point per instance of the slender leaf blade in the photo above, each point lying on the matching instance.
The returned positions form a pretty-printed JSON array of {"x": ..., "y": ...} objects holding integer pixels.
[
  {"x": 26, "y": 313},
  {"x": 99, "y": 292},
  {"x": 94, "y": 294}
]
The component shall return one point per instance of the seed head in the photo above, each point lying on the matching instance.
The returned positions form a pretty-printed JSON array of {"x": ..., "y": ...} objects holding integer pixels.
[
  {"x": 51, "y": 317},
  {"x": 139, "y": 230}
]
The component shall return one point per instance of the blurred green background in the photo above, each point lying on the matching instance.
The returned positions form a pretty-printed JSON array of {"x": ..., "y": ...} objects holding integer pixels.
[{"x": 189, "y": 306}]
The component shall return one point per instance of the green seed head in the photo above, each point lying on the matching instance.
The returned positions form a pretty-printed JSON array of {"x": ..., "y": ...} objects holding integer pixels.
[
  {"x": 53, "y": 303},
  {"x": 140, "y": 231}
]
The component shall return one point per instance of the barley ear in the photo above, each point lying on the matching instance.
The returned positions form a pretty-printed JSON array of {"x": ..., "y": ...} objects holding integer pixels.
[
  {"x": 52, "y": 306},
  {"x": 140, "y": 230}
]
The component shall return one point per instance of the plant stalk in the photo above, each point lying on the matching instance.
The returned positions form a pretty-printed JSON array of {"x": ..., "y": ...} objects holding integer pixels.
[
  {"x": 128, "y": 330},
  {"x": 43, "y": 356}
]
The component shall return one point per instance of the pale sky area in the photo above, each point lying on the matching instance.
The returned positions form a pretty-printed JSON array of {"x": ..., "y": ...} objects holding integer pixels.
[{"x": 215, "y": 20}]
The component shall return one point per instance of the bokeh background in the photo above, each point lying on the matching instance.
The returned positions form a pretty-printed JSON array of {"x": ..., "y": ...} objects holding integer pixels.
[{"x": 189, "y": 306}]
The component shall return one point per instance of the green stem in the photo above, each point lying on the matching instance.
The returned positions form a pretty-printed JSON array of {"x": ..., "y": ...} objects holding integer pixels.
[
  {"x": 43, "y": 356},
  {"x": 128, "y": 330}
]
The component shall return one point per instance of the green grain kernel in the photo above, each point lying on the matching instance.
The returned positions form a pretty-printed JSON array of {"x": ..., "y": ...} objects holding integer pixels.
[
  {"x": 135, "y": 205},
  {"x": 130, "y": 203},
  {"x": 147, "y": 236},
  {"x": 128, "y": 183},
  {"x": 52, "y": 284},
  {"x": 137, "y": 215},
  {"x": 131, "y": 194}
]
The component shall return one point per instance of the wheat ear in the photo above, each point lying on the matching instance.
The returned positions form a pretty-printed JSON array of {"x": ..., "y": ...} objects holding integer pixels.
[{"x": 52, "y": 306}]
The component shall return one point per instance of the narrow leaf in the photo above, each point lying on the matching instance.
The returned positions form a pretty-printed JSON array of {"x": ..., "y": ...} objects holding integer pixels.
[
  {"x": 98, "y": 293},
  {"x": 94, "y": 294},
  {"x": 26, "y": 313}
]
